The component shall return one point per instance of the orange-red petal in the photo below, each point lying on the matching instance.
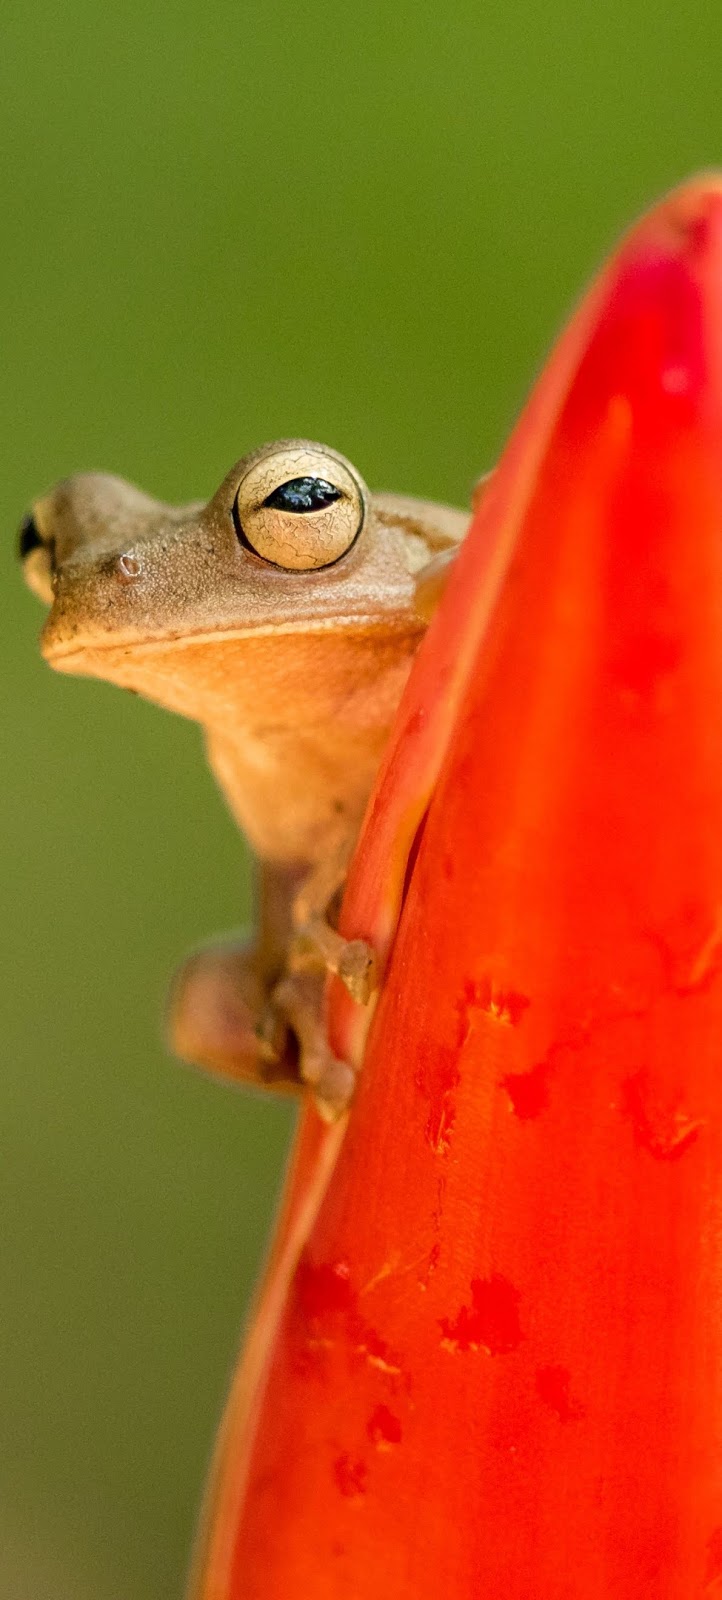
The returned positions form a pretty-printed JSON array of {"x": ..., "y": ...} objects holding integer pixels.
[{"x": 499, "y": 1368}]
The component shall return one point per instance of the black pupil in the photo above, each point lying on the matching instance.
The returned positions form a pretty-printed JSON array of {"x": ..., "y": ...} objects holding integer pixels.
[{"x": 303, "y": 494}]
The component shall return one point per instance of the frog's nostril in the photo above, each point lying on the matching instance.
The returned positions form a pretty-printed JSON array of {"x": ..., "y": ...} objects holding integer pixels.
[
  {"x": 29, "y": 537},
  {"x": 128, "y": 567}
]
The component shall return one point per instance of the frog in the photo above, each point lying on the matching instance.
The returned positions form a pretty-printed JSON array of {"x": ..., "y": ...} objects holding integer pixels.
[{"x": 283, "y": 615}]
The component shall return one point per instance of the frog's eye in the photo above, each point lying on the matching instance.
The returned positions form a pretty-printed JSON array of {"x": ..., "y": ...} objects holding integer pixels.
[
  {"x": 303, "y": 494},
  {"x": 299, "y": 507},
  {"x": 38, "y": 558}
]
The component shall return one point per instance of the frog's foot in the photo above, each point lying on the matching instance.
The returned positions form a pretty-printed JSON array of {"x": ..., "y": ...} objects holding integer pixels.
[
  {"x": 313, "y": 915},
  {"x": 358, "y": 969},
  {"x": 297, "y": 999},
  {"x": 353, "y": 960},
  {"x": 218, "y": 1018}
]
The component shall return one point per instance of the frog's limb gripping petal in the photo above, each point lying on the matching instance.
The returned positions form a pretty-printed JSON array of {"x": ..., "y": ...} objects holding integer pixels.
[
  {"x": 221, "y": 1018},
  {"x": 217, "y": 1003},
  {"x": 317, "y": 941},
  {"x": 352, "y": 960},
  {"x": 298, "y": 999},
  {"x": 357, "y": 968}
]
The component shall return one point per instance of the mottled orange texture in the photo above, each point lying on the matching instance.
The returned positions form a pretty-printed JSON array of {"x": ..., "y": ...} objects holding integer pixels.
[{"x": 514, "y": 1280}]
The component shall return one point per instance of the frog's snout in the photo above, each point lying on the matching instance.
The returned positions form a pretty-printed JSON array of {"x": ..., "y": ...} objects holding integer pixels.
[{"x": 77, "y": 546}]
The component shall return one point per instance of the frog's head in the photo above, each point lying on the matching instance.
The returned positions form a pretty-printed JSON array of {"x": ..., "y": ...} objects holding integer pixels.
[
  {"x": 165, "y": 599},
  {"x": 116, "y": 566},
  {"x": 292, "y": 540}
]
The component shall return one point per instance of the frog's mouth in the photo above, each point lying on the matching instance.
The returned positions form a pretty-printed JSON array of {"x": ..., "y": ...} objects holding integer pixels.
[{"x": 81, "y": 651}]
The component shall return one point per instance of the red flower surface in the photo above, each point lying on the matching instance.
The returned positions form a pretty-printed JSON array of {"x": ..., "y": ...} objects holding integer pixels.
[{"x": 497, "y": 1370}]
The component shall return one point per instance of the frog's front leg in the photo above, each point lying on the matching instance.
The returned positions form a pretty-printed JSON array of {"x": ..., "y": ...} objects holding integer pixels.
[
  {"x": 219, "y": 1013},
  {"x": 316, "y": 948},
  {"x": 353, "y": 960},
  {"x": 223, "y": 1017},
  {"x": 252, "y": 1011},
  {"x": 298, "y": 999}
]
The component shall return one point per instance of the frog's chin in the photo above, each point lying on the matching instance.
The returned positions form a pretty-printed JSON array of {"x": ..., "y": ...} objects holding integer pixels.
[{"x": 145, "y": 668}]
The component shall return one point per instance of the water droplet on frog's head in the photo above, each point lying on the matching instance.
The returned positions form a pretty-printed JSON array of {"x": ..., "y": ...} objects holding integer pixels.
[{"x": 128, "y": 568}]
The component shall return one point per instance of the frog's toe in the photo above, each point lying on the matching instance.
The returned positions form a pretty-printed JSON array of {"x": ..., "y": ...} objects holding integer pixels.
[
  {"x": 358, "y": 970},
  {"x": 297, "y": 998},
  {"x": 334, "y": 1089}
]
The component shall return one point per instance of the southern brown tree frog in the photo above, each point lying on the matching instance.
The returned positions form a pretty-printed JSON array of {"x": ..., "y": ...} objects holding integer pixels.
[{"x": 284, "y": 616}]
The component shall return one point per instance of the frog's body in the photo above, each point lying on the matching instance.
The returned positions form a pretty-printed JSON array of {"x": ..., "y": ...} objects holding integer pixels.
[{"x": 284, "y": 617}]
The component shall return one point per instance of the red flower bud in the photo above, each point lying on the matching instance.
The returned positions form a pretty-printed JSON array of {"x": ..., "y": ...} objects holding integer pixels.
[{"x": 498, "y": 1367}]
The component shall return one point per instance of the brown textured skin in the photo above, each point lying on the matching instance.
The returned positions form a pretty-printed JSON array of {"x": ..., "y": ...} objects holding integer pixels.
[{"x": 294, "y": 675}]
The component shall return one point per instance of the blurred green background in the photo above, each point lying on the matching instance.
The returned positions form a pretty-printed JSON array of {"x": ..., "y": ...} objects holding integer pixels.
[{"x": 222, "y": 223}]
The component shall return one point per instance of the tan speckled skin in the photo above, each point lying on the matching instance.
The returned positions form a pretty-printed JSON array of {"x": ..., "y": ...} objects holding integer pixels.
[{"x": 295, "y": 676}]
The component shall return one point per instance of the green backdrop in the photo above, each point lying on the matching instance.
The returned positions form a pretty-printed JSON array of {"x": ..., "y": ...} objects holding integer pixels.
[{"x": 223, "y": 223}]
